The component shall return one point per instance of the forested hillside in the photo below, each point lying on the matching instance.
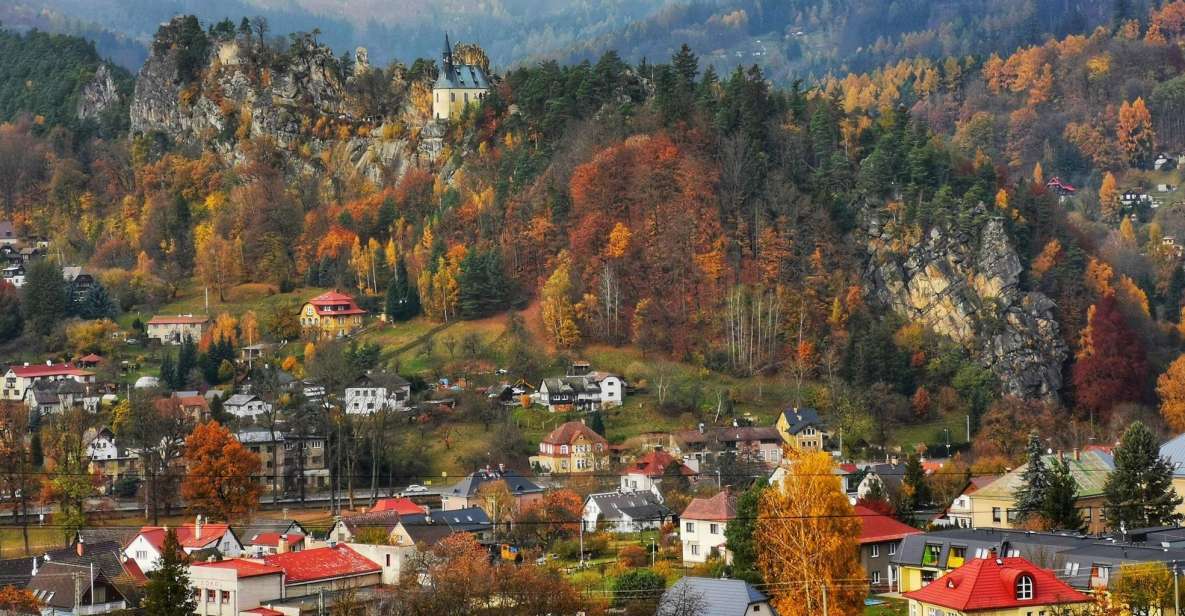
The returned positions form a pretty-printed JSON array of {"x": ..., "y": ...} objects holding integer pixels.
[{"x": 891, "y": 242}]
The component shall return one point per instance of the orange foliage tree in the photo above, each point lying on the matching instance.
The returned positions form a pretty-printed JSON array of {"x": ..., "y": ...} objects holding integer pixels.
[
  {"x": 221, "y": 482},
  {"x": 807, "y": 532},
  {"x": 1134, "y": 132},
  {"x": 1170, "y": 386},
  {"x": 15, "y": 601}
]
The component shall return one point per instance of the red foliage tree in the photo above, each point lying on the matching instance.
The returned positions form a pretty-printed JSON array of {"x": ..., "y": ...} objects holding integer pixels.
[{"x": 1112, "y": 366}]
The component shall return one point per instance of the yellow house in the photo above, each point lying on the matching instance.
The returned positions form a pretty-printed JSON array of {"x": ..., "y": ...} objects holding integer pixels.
[
  {"x": 994, "y": 505},
  {"x": 457, "y": 86},
  {"x": 330, "y": 315},
  {"x": 572, "y": 447},
  {"x": 803, "y": 429},
  {"x": 1174, "y": 452},
  {"x": 996, "y": 587}
]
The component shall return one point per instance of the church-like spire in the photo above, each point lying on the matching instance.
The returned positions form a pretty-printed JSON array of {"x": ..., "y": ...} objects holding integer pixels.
[{"x": 447, "y": 56}]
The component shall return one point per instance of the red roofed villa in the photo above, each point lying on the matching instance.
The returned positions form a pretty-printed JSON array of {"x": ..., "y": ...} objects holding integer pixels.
[
  {"x": 996, "y": 586},
  {"x": 402, "y": 506},
  {"x": 18, "y": 379},
  {"x": 273, "y": 543},
  {"x": 880, "y": 536},
  {"x": 330, "y": 315},
  {"x": 234, "y": 585},
  {"x": 703, "y": 524},
  {"x": 146, "y": 547},
  {"x": 572, "y": 447},
  {"x": 646, "y": 473}
]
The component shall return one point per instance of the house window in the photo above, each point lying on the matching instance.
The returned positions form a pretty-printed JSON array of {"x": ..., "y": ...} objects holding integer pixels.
[
  {"x": 714, "y": 529},
  {"x": 689, "y": 527},
  {"x": 1024, "y": 587},
  {"x": 210, "y": 594},
  {"x": 388, "y": 560},
  {"x": 930, "y": 554},
  {"x": 452, "y": 97},
  {"x": 225, "y": 597},
  {"x": 996, "y": 514},
  {"x": 1071, "y": 569},
  {"x": 892, "y": 549},
  {"x": 695, "y": 549},
  {"x": 875, "y": 550},
  {"x": 876, "y": 577}
]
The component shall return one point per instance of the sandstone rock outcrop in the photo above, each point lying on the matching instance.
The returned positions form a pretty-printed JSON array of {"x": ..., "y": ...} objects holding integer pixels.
[
  {"x": 99, "y": 95},
  {"x": 967, "y": 287}
]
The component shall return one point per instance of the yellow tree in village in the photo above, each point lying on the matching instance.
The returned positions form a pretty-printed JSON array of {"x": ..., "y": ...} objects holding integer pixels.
[
  {"x": 807, "y": 542},
  {"x": 1170, "y": 387},
  {"x": 558, "y": 311}
]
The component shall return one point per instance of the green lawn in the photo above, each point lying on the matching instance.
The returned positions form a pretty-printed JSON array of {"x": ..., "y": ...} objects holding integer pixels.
[{"x": 892, "y": 607}]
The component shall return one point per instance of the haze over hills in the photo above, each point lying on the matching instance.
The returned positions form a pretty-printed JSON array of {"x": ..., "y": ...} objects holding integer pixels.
[{"x": 789, "y": 40}]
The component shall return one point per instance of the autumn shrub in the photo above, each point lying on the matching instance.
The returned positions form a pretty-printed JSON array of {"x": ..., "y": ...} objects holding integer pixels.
[{"x": 632, "y": 556}]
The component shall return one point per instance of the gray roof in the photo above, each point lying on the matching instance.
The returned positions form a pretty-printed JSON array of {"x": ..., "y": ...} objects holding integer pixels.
[
  {"x": 264, "y": 525},
  {"x": 259, "y": 436},
  {"x": 644, "y": 505},
  {"x": 517, "y": 484},
  {"x": 572, "y": 384},
  {"x": 799, "y": 419},
  {"x": 430, "y": 528},
  {"x": 716, "y": 597},
  {"x": 239, "y": 399},
  {"x": 462, "y": 76},
  {"x": 1174, "y": 450}
]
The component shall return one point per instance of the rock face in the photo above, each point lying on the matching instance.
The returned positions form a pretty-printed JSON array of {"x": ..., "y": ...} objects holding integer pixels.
[
  {"x": 98, "y": 95},
  {"x": 966, "y": 287},
  {"x": 300, "y": 103}
]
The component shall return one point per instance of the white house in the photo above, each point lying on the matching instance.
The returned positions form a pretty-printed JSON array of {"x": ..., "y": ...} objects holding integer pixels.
[
  {"x": 625, "y": 512},
  {"x": 368, "y": 395},
  {"x": 647, "y": 472},
  {"x": 18, "y": 379},
  {"x": 145, "y": 548},
  {"x": 458, "y": 85},
  {"x": 176, "y": 329},
  {"x": 587, "y": 392},
  {"x": 702, "y": 525},
  {"x": 14, "y": 275},
  {"x": 234, "y": 585},
  {"x": 246, "y": 405}
]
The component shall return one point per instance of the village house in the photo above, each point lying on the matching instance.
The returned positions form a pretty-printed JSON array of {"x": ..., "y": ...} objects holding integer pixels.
[
  {"x": 572, "y": 447},
  {"x": 701, "y": 527},
  {"x": 994, "y": 505},
  {"x": 458, "y": 85},
  {"x": 146, "y": 547},
  {"x": 108, "y": 459},
  {"x": 958, "y": 514},
  {"x": 233, "y": 586},
  {"x": 401, "y": 505},
  {"x": 83, "y": 578},
  {"x": 372, "y": 393},
  {"x": 247, "y": 406},
  {"x": 257, "y": 545},
  {"x": 78, "y": 281},
  {"x": 646, "y": 473},
  {"x": 1010, "y": 586},
  {"x": 280, "y": 458},
  {"x": 177, "y": 329},
  {"x": 330, "y": 315},
  {"x": 193, "y": 404},
  {"x": 332, "y": 568},
  {"x": 18, "y": 379},
  {"x": 466, "y": 493},
  {"x": 53, "y": 397},
  {"x": 752, "y": 444},
  {"x": 625, "y": 512},
  {"x": 880, "y": 538},
  {"x": 581, "y": 389},
  {"x": 364, "y": 527},
  {"x": 427, "y": 529},
  {"x": 1174, "y": 452},
  {"x": 14, "y": 274},
  {"x": 715, "y": 597},
  {"x": 803, "y": 429}
]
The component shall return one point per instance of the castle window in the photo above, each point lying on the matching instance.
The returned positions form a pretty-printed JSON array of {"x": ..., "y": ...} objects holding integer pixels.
[{"x": 452, "y": 97}]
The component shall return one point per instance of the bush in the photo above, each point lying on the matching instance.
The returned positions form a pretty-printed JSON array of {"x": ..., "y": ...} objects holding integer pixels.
[
  {"x": 637, "y": 586},
  {"x": 632, "y": 556},
  {"x": 126, "y": 487}
]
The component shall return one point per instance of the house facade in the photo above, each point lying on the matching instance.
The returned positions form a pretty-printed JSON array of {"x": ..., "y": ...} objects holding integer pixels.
[
  {"x": 176, "y": 329},
  {"x": 19, "y": 379},
  {"x": 702, "y": 525},
  {"x": 370, "y": 394},
  {"x": 751, "y": 444},
  {"x": 581, "y": 393},
  {"x": 572, "y": 447},
  {"x": 998, "y": 586},
  {"x": 146, "y": 548},
  {"x": 625, "y": 512},
  {"x": 234, "y": 585},
  {"x": 647, "y": 472},
  {"x": 994, "y": 505},
  {"x": 280, "y": 457},
  {"x": 330, "y": 315},
  {"x": 880, "y": 538},
  {"x": 458, "y": 86},
  {"x": 467, "y": 492},
  {"x": 246, "y": 406},
  {"x": 802, "y": 428}
]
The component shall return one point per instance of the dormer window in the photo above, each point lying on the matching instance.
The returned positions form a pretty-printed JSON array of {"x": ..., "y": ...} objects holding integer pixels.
[{"x": 1024, "y": 587}]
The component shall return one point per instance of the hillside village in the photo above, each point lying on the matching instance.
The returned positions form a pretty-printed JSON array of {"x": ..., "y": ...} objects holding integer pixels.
[{"x": 307, "y": 335}]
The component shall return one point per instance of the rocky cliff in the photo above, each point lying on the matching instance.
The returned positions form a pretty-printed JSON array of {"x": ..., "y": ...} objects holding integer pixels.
[
  {"x": 967, "y": 287},
  {"x": 299, "y": 99},
  {"x": 99, "y": 95}
]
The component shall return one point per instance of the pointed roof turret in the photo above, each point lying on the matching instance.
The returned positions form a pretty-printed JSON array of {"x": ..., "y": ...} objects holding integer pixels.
[{"x": 447, "y": 56}]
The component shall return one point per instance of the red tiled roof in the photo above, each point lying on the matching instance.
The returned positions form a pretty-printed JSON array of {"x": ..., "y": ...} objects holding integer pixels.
[
  {"x": 40, "y": 370},
  {"x": 133, "y": 570},
  {"x": 334, "y": 298},
  {"x": 192, "y": 401},
  {"x": 402, "y": 506},
  {"x": 567, "y": 432},
  {"x": 91, "y": 359},
  {"x": 272, "y": 540},
  {"x": 879, "y": 527},
  {"x": 322, "y": 564},
  {"x": 719, "y": 508},
  {"x": 654, "y": 464},
  {"x": 264, "y": 611},
  {"x": 181, "y": 319},
  {"x": 211, "y": 533},
  {"x": 245, "y": 568},
  {"x": 990, "y": 584}
]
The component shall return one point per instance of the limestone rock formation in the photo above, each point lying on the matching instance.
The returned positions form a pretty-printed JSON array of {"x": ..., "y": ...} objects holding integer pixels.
[
  {"x": 299, "y": 100},
  {"x": 99, "y": 95},
  {"x": 967, "y": 287}
]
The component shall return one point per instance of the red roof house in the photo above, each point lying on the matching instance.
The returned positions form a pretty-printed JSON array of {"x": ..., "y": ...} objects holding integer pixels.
[
  {"x": 243, "y": 567},
  {"x": 402, "y": 506},
  {"x": 49, "y": 370},
  {"x": 330, "y": 315},
  {"x": 654, "y": 465},
  {"x": 996, "y": 585},
  {"x": 324, "y": 564},
  {"x": 719, "y": 508},
  {"x": 148, "y": 545},
  {"x": 879, "y": 527},
  {"x": 272, "y": 541},
  {"x": 334, "y": 303}
]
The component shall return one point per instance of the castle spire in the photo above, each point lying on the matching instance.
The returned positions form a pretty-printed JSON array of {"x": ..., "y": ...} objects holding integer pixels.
[{"x": 447, "y": 56}]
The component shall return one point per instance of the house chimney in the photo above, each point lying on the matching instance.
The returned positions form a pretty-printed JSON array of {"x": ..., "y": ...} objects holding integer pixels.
[
  {"x": 80, "y": 547},
  {"x": 197, "y": 527},
  {"x": 34, "y": 565},
  {"x": 282, "y": 545},
  {"x": 49, "y": 362}
]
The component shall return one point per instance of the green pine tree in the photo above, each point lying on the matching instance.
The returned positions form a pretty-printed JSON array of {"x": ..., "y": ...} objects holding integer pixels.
[
  {"x": 739, "y": 534},
  {"x": 1031, "y": 495},
  {"x": 597, "y": 423},
  {"x": 1058, "y": 507},
  {"x": 914, "y": 483},
  {"x": 1139, "y": 493},
  {"x": 44, "y": 298},
  {"x": 97, "y": 303},
  {"x": 167, "y": 592},
  {"x": 403, "y": 301},
  {"x": 168, "y": 370}
]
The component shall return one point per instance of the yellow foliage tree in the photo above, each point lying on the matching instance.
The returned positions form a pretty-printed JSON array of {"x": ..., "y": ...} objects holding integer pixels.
[
  {"x": 249, "y": 327},
  {"x": 1098, "y": 277},
  {"x": 1134, "y": 132},
  {"x": 1048, "y": 258},
  {"x": 807, "y": 532},
  {"x": 1126, "y": 232},
  {"x": 619, "y": 241},
  {"x": 1109, "y": 197},
  {"x": 225, "y": 326},
  {"x": 1038, "y": 175},
  {"x": 558, "y": 311},
  {"x": 1170, "y": 387}
]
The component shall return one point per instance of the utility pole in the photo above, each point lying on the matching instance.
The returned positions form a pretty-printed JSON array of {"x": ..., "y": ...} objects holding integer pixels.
[
  {"x": 825, "y": 612},
  {"x": 1176, "y": 591},
  {"x": 581, "y": 543},
  {"x": 968, "y": 428}
]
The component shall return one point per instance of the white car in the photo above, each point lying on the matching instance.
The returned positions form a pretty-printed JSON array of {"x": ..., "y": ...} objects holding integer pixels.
[{"x": 414, "y": 488}]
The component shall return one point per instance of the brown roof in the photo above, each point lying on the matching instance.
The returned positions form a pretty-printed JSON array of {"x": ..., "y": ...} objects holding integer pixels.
[
  {"x": 654, "y": 464},
  {"x": 566, "y": 433},
  {"x": 719, "y": 508},
  {"x": 181, "y": 319},
  {"x": 729, "y": 435}
]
